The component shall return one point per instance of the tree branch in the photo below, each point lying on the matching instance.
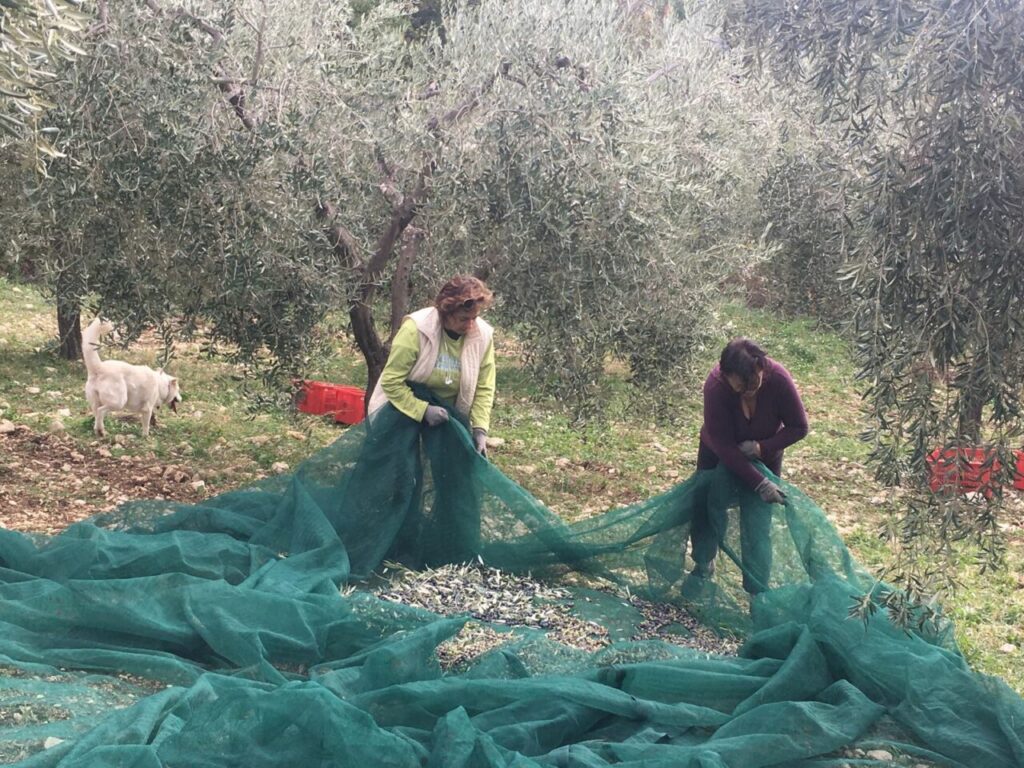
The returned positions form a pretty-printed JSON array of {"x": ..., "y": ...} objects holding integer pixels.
[
  {"x": 412, "y": 237},
  {"x": 231, "y": 87},
  {"x": 102, "y": 18}
]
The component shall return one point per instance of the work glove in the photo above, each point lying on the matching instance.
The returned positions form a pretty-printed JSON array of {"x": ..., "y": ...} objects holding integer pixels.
[
  {"x": 480, "y": 440},
  {"x": 750, "y": 449},
  {"x": 435, "y": 415},
  {"x": 770, "y": 492}
]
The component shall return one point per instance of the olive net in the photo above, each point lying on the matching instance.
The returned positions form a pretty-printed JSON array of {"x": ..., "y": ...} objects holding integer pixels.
[{"x": 229, "y": 632}]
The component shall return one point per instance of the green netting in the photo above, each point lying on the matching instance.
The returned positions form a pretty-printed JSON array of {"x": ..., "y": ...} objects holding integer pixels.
[{"x": 163, "y": 634}]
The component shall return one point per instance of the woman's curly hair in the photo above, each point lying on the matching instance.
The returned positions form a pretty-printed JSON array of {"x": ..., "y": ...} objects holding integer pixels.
[{"x": 463, "y": 292}]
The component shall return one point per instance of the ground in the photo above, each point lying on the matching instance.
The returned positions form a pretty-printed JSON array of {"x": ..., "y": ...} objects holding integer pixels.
[{"x": 40, "y": 471}]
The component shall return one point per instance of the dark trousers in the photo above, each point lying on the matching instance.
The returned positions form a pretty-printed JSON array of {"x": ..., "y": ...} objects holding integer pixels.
[{"x": 710, "y": 521}]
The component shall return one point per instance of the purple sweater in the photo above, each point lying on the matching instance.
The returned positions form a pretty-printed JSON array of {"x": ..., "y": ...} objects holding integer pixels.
[{"x": 779, "y": 421}]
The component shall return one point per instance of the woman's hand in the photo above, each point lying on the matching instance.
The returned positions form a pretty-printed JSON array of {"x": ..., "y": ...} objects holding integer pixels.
[
  {"x": 480, "y": 441},
  {"x": 751, "y": 449},
  {"x": 435, "y": 415},
  {"x": 770, "y": 492}
]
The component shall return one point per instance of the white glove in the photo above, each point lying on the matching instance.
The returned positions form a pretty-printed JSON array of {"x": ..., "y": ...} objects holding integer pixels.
[
  {"x": 435, "y": 415},
  {"x": 770, "y": 492},
  {"x": 480, "y": 441},
  {"x": 750, "y": 449}
]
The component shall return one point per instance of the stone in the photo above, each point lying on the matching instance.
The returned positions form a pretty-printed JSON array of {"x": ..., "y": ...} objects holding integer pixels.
[
  {"x": 279, "y": 467},
  {"x": 6, "y": 427}
]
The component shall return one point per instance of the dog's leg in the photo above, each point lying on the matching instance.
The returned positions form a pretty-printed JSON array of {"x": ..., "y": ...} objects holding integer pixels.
[
  {"x": 146, "y": 416},
  {"x": 98, "y": 413}
]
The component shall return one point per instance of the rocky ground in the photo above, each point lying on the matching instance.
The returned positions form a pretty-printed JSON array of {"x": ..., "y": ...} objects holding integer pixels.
[{"x": 48, "y": 481}]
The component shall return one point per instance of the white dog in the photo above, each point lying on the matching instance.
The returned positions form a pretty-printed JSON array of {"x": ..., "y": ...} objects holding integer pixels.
[{"x": 113, "y": 385}]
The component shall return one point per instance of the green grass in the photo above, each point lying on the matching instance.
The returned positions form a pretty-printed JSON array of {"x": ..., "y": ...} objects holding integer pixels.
[{"x": 575, "y": 472}]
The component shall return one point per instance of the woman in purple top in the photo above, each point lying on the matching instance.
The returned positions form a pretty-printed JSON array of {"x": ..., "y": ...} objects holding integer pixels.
[{"x": 752, "y": 412}]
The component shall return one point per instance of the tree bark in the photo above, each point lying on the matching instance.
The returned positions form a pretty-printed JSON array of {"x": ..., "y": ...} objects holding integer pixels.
[
  {"x": 401, "y": 283},
  {"x": 375, "y": 352},
  {"x": 69, "y": 325}
]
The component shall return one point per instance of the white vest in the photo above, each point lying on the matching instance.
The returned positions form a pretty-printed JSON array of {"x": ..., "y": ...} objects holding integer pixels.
[{"x": 474, "y": 345}]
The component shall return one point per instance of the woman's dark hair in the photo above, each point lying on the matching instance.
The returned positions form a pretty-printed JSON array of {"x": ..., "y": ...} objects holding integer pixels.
[{"x": 742, "y": 357}]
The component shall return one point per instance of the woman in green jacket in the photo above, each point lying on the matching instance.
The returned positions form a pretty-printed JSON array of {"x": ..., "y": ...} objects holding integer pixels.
[{"x": 441, "y": 367}]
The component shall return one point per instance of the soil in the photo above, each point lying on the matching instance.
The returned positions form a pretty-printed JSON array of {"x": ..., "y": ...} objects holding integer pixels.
[{"x": 48, "y": 481}]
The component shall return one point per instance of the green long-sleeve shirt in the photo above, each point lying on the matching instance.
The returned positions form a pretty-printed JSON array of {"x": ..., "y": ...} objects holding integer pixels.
[{"x": 443, "y": 380}]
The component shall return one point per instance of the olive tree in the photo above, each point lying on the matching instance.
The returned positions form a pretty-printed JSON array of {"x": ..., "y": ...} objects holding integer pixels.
[
  {"x": 928, "y": 98},
  {"x": 250, "y": 165},
  {"x": 605, "y": 186},
  {"x": 35, "y": 37}
]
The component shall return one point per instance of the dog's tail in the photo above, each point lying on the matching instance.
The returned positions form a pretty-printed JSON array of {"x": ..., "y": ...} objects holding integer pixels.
[{"x": 91, "y": 336}]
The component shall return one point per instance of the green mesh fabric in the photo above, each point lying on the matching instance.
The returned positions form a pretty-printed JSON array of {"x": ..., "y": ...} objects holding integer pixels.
[{"x": 217, "y": 634}]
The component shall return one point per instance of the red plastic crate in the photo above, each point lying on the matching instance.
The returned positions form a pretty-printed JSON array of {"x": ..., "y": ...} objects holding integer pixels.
[
  {"x": 343, "y": 402},
  {"x": 969, "y": 469}
]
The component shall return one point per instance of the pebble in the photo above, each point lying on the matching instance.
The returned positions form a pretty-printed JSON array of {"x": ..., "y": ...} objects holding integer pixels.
[
  {"x": 6, "y": 427},
  {"x": 279, "y": 467},
  {"x": 1008, "y": 648}
]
